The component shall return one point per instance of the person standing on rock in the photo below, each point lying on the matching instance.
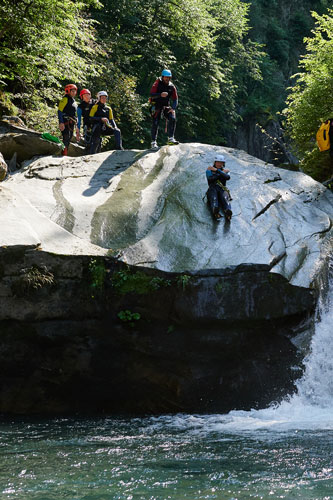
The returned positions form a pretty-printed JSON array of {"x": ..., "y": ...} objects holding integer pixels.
[
  {"x": 67, "y": 115},
  {"x": 160, "y": 94},
  {"x": 218, "y": 194},
  {"x": 83, "y": 111},
  {"x": 103, "y": 124}
]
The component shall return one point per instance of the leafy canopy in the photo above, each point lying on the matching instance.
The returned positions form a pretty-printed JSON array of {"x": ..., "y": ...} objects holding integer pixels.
[{"x": 311, "y": 99}]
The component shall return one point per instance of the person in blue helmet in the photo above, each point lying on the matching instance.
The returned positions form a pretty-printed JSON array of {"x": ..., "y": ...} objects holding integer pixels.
[
  {"x": 218, "y": 194},
  {"x": 160, "y": 94}
]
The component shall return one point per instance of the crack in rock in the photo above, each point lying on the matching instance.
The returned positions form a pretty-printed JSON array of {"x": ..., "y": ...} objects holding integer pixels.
[{"x": 275, "y": 200}]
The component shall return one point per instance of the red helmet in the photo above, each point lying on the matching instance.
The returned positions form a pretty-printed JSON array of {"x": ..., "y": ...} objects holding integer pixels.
[
  {"x": 70, "y": 87},
  {"x": 84, "y": 91}
]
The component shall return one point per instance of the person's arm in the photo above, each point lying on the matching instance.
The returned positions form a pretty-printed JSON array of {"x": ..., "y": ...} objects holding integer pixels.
[
  {"x": 92, "y": 113},
  {"x": 153, "y": 90},
  {"x": 174, "y": 98},
  {"x": 223, "y": 175},
  {"x": 78, "y": 124},
  {"x": 111, "y": 119},
  {"x": 213, "y": 176},
  {"x": 61, "y": 108},
  {"x": 79, "y": 117}
]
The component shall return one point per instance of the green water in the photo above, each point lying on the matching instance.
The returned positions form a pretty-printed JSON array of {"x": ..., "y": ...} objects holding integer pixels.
[{"x": 171, "y": 457}]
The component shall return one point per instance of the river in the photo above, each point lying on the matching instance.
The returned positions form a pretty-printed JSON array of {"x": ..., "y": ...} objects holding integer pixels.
[{"x": 282, "y": 452}]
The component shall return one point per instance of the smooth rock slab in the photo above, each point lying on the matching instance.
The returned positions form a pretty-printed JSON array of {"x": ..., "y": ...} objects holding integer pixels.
[{"x": 149, "y": 208}]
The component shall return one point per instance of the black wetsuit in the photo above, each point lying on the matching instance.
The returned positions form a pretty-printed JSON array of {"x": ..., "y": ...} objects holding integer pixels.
[
  {"x": 162, "y": 104},
  {"x": 83, "y": 111},
  {"x": 97, "y": 112},
  {"x": 67, "y": 115},
  {"x": 217, "y": 193}
]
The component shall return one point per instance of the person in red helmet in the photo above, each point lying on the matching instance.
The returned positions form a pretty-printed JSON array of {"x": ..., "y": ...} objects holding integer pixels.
[
  {"x": 67, "y": 115},
  {"x": 83, "y": 111}
]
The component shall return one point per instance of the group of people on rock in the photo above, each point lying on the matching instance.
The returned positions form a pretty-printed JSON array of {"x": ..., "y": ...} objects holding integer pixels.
[
  {"x": 91, "y": 115},
  {"x": 92, "y": 119}
]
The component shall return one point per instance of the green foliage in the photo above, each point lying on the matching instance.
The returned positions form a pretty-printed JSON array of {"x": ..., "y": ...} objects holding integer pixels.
[
  {"x": 41, "y": 41},
  {"x": 280, "y": 29},
  {"x": 202, "y": 42},
  {"x": 125, "y": 281},
  {"x": 44, "y": 43},
  {"x": 128, "y": 315},
  {"x": 6, "y": 105},
  {"x": 311, "y": 99},
  {"x": 97, "y": 273},
  {"x": 183, "y": 281},
  {"x": 32, "y": 278},
  {"x": 224, "y": 71}
]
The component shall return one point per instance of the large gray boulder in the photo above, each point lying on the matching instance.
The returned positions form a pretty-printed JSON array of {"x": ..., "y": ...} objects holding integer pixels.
[
  {"x": 150, "y": 209},
  {"x": 28, "y": 143}
]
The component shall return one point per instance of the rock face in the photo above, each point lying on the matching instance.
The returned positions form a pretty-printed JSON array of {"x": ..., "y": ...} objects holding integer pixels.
[
  {"x": 150, "y": 209},
  {"x": 27, "y": 143},
  {"x": 267, "y": 143},
  {"x": 3, "y": 168},
  {"x": 119, "y": 293}
]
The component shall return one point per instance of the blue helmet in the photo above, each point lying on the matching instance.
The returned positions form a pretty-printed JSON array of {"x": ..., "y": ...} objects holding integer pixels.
[{"x": 166, "y": 72}]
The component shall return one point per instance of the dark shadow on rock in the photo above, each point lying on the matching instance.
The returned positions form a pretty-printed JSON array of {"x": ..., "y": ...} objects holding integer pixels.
[{"x": 114, "y": 164}]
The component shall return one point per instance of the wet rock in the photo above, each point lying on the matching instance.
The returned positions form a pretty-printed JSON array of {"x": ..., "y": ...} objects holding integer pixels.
[{"x": 143, "y": 341}]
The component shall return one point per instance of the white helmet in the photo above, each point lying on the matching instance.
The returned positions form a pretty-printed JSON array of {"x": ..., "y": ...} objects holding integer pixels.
[
  {"x": 102, "y": 92},
  {"x": 219, "y": 158}
]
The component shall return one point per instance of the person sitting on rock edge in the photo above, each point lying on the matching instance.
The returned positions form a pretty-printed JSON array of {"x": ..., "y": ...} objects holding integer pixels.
[
  {"x": 160, "y": 94},
  {"x": 67, "y": 115},
  {"x": 218, "y": 194},
  {"x": 101, "y": 118},
  {"x": 83, "y": 111}
]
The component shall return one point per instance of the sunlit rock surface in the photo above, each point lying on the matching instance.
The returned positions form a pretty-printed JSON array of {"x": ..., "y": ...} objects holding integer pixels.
[{"x": 149, "y": 208}]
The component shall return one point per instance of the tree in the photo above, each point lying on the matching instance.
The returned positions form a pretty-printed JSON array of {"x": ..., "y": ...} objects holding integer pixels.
[
  {"x": 202, "y": 42},
  {"x": 44, "y": 43},
  {"x": 311, "y": 99}
]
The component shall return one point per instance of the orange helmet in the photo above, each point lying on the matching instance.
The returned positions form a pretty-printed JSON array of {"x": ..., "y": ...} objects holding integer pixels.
[
  {"x": 84, "y": 91},
  {"x": 70, "y": 87}
]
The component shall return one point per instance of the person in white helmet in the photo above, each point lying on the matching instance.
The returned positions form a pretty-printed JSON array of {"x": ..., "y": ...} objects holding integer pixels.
[
  {"x": 218, "y": 194},
  {"x": 101, "y": 118}
]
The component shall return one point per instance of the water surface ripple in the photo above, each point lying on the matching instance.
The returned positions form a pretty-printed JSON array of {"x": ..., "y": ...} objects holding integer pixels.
[{"x": 171, "y": 457}]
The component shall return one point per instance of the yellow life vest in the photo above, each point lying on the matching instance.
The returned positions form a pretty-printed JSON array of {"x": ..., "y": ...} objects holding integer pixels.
[{"x": 322, "y": 136}]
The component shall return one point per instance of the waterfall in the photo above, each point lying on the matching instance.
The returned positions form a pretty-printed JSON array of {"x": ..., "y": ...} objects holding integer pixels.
[
  {"x": 316, "y": 386},
  {"x": 311, "y": 407}
]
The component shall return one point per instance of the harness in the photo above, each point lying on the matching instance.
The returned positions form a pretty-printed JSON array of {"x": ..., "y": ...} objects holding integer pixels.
[
  {"x": 160, "y": 104},
  {"x": 219, "y": 183}
]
